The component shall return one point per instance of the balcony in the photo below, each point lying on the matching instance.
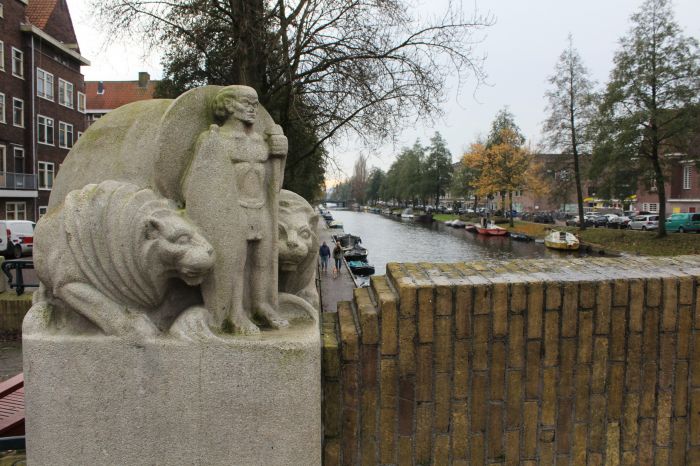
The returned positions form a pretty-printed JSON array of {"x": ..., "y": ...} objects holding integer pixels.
[{"x": 9, "y": 180}]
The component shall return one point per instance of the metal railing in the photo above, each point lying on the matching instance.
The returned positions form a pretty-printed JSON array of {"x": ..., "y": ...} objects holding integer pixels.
[{"x": 9, "y": 180}]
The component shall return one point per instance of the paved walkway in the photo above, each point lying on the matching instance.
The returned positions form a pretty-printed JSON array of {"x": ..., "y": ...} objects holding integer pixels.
[{"x": 337, "y": 289}]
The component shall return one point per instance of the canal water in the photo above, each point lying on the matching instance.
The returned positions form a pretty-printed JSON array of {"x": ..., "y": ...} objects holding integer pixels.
[{"x": 391, "y": 239}]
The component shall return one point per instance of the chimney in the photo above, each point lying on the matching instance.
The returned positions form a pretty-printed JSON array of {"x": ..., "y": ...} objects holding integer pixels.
[{"x": 144, "y": 77}]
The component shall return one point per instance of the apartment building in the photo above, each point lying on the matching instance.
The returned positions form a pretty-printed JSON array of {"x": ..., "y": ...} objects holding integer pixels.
[{"x": 42, "y": 102}]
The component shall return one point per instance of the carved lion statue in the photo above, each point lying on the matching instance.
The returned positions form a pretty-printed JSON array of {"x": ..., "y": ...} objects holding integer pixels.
[
  {"x": 109, "y": 251},
  {"x": 298, "y": 247}
]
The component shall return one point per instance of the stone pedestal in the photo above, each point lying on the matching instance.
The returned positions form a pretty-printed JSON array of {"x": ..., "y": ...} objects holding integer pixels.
[{"x": 242, "y": 401}]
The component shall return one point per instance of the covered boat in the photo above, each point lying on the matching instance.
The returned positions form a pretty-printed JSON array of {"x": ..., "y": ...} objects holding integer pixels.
[
  {"x": 424, "y": 218},
  {"x": 335, "y": 224},
  {"x": 521, "y": 237},
  {"x": 361, "y": 268},
  {"x": 458, "y": 224},
  {"x": 563, "y": 240},
  {"x": 491, "y": 229},
  {"x": 356, "y": 253},
  {"x": 347, "y": 240},
  {"x": 407, "y": 213},
  {"x": 470, "y": 227}
]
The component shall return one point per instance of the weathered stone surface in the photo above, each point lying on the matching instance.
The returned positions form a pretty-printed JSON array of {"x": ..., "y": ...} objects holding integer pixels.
[{"x": 243, "y": 401}]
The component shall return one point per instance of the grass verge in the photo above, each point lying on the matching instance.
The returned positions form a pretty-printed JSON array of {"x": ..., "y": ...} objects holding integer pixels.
[{"x": 628, "y": 241}]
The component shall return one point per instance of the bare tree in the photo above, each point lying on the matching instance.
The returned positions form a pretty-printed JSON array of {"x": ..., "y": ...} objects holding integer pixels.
[
  {"x": 359, "y": 179},
  {"x": 361, "y": 67},
  {"x": 571, "y": 107}
]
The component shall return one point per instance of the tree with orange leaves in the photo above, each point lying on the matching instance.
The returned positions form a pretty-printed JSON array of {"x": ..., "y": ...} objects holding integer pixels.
[{"x": 504, "y": 166}]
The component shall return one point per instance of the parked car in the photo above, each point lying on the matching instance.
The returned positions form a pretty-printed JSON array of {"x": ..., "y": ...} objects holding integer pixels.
[
  {"x": 599, "y": 221},
  {"x": 19, "y": 238},
  {"x": 683, "y": 222},
  {"x": 574, "y": 222},
  {"x": 620, "y": 221},
  {"x": 644, "y": 222}
]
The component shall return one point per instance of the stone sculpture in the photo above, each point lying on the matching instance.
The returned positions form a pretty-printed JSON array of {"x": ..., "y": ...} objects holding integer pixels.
[
  {"x": 158, "y": 260},
  {"x": 216, "y": 154},
  {"x": 230, "y": 192},
  {"x": 298, "y": 247},
  {"x": 109, "y": 252}
]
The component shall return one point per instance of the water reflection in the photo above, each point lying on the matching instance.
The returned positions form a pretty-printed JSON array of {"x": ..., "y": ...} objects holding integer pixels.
[{"x": 396, "y": 240}]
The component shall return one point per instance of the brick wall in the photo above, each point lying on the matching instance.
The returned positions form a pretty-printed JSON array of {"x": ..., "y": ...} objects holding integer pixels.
[{"x": 528, "y": 362}]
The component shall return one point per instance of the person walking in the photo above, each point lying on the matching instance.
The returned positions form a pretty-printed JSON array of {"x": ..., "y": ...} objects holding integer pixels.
[
  {"x": 325, "y": 253},
  {"x": 338, "y": 258}
]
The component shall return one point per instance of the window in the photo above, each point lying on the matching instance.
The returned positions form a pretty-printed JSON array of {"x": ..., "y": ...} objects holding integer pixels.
[
  {"x": 18, "y": 112},
  {"x": 2, "y": 11},
  {"x": 45, "y": 175},
  {"x": 81, "y": 102},
  {"x": 18, "y": 153},
  {"x": 65, "y": 135},
  {"x": 686, "y": 176},
  {"x": 65, "y": 93},
  {"x": 2, "y": 56},
  {"x": 79, "y": 135},
  {"x": 44, "y": 84},
  {"x": 17, "y": 63},
  {"x": 42, "y": 210},
  {"x": 2, "y": 108},
  {"x": 3, "y": 161},
  {"x": 651, "y": 207},
  {"x": 16, "y": 210},
  {"x": 45, "y": 133}
]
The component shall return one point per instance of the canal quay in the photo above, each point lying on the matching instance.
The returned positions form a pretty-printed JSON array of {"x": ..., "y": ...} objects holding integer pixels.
[{"x": 391, "y": 239}]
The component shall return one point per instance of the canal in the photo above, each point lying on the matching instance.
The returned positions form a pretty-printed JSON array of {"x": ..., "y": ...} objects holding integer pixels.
[{"x": 395, "y": 240}]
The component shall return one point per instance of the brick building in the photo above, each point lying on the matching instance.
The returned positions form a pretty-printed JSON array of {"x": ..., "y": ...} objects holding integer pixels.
[
  {"x": 103, "y": 96},
  {"x": 42, "y": 102},
  {"x": 682, "y": 189}
]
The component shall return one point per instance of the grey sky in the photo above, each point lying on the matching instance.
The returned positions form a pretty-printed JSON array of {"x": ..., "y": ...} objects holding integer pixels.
[{"x": 522, "y": 49}]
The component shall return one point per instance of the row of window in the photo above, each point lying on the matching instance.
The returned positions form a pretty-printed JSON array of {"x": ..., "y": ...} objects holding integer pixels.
[
  {"x": 46, "y": 169},
  {"x": 45, "y": 90},
  {"x": 17, "y": 61},
  {"x": 45, "y": 132}
]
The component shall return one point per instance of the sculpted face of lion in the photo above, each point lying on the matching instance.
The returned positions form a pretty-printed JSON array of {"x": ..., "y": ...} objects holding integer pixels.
[
  {"x": 298, "y": 247},
  {"x": 297, "y": 232},
  {"x": 180, "y": 248}
]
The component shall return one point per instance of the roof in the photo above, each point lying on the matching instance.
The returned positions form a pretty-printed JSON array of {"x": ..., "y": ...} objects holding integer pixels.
[
  {"x": 116, "y": 94},
  {"x": 53, "y": 17}
]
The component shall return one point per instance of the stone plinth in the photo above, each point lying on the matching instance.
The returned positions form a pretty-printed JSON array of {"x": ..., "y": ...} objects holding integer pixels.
[{"x": 242, "y": 401}]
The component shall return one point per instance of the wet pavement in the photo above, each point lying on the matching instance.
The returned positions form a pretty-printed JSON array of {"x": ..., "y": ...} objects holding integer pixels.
[{"x": 336, "y": 289}]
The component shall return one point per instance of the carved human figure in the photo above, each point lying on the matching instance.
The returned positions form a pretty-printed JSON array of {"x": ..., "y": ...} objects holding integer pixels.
[{"x": 231, "y": 192}]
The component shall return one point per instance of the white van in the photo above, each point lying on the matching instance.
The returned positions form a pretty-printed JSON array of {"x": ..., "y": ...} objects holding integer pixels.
[{"x": 18, "y": 239}]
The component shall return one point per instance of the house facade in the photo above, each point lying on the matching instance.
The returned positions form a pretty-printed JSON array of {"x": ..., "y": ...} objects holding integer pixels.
[
  {"x": 682, "y": 189},
  {"x": 104, "y": 96},
  {"x": 42, "y": 102}
]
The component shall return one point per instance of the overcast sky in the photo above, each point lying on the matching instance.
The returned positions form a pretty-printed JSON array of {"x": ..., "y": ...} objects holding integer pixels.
[{"x": 522, "y": 49}]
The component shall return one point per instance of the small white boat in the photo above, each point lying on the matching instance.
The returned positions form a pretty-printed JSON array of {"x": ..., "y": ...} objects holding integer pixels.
[
  {"x": 563, "y": 240},
  {"x": 407, "y": 213},
  {"x": 335, "y": 224}
]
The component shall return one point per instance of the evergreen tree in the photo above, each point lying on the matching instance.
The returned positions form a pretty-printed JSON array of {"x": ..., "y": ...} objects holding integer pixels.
[{"x": 649, "y": 106}]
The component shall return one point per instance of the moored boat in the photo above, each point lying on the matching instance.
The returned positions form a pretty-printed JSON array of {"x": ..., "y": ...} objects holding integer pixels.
[
  {"x": 361, "y": 268},
  {"x": 521, "y": 237},
  {"x": 562, "y": 240},
  {"x": 347, "y": 240},
  {"x": 423, "y": 218},
  {"x": 335, "y": 224},
  {"x": 470, "y": 227},
  {"x": 458, "y": 224},
  {"x": 407, "y": 213},
  {"x": 491, "y": 229},
  {"x": 356, "y": 253}
]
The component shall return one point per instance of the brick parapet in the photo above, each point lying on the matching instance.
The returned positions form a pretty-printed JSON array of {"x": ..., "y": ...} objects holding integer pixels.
[{"x": 518, "y": 362}]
